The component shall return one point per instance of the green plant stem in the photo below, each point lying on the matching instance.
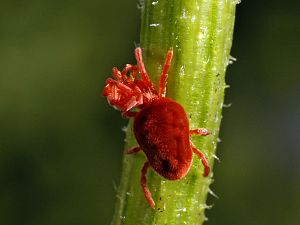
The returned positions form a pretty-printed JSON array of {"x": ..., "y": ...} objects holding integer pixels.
[{"x": 200, "y": 33}]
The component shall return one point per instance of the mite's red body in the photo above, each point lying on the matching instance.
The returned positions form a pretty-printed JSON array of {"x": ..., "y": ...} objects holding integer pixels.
[
  {"x": 162, "y": 131},
  {"x": 161, "y": 127}
]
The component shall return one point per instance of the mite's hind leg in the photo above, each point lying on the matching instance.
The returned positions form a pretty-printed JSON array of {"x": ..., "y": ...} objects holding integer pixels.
[
  {"x": 203, "y": 159},
  {"x": 145, "y": 188},
  {"x": 134, "y": 150}
]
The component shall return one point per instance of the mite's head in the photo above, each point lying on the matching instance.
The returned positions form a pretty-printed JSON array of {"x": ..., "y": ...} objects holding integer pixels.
[{"x": 126, "y": 90}]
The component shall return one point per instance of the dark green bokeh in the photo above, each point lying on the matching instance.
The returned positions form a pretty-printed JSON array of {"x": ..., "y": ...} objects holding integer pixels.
[{"x": 61, "y": 144}]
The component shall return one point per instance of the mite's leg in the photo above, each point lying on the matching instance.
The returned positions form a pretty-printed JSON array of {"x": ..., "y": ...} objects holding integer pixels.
[
  {"x": 132, "y": 102},
  {"x": 133, "y": 150},
  {"x": 132, "y": 69},
  {"x": 164, "y": 74},
  {"x": 116, "y": 73},
  {"x": 141, "y": 67},
  {"x": 146, "y": 191},
  {"x": 203, "y": 159},
  {"x": 200, "y": 131},
  {"x": 111, "y": 82}
]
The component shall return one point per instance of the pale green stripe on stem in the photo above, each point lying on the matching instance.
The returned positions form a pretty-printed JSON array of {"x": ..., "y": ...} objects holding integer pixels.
[{"x": 200, "y": 33}]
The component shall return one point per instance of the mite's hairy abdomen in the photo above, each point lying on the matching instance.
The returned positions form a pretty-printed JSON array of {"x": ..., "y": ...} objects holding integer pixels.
[{"x": 162, "y": 131}]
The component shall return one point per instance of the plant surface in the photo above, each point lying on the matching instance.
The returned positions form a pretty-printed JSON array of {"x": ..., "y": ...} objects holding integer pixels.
[{"x": 200, "y": 33}]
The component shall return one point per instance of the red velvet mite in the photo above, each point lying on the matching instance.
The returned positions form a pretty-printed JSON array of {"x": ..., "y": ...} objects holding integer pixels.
[{"x": 161, "y": 126}]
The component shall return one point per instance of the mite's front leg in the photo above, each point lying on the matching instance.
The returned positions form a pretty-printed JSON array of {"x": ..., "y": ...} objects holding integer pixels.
[
  {"x": 164, "y": 74},
  {"x": 133, "y": 71}
]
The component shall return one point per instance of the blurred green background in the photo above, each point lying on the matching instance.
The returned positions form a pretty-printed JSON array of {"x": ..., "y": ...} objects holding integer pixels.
[{"x": 61, "y": 144}]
